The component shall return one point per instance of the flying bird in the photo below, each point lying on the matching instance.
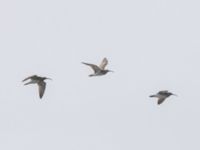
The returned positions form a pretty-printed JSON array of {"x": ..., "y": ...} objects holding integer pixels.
[
  {"x": 162, "y": 95},
  {"x": 39, "y": 81},
  {"x": 99, "y": 70}
]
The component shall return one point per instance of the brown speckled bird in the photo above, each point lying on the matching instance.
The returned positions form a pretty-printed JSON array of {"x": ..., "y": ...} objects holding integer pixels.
[
  {"x": 162, "y": 95},
  {"x": 99, "y": 70},
  {"x": 39, "y": 81}
]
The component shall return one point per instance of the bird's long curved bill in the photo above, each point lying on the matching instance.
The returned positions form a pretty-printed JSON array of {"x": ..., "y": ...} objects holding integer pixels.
[
  {"x": 111, "y": 71},
  {"x": 49, "y": 78},
  {"x": 174, "y": 94}
]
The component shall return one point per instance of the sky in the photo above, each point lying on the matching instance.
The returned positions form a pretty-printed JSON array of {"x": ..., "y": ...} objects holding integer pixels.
[{"x": 151, "y": 46}]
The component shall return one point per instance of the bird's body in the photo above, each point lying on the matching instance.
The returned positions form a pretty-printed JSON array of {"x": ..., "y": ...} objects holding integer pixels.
[
  {"x": 39, "y": 81},
  {"x": 162, "y": 95},
  {"x": 99, "y": 70}
]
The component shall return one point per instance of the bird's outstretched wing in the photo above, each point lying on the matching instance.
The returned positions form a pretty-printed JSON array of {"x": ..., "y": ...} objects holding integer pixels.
[
  {"x": 161, "y": 100},
  {"x": 42, "y": 87},
  {"x": 103, "y": 63},
  {"x": 33, "y": 76},
  {"x": 152, "y": 96},
  {"x": 94, "y": 67},
  {"x": 31, "y": 82},
  {"x": 163, "y": 92}
]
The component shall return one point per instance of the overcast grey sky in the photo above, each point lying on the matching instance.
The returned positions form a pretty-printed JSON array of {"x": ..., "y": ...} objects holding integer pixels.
[{"x": 151, "y": 45}]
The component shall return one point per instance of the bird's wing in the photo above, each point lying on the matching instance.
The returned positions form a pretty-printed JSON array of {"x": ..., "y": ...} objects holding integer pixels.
[
  {"x": 164, "y": 91},
  {"x": 29, "y": 78},
  {"x": 153, "y": 96},
  {"x": 103, "y": 63},
  {"x": 160, "y": 100},
  {"x": 42, "y": 87},
  {"x": 31, "y": 82},
  {"x": 94, "y": 67}
]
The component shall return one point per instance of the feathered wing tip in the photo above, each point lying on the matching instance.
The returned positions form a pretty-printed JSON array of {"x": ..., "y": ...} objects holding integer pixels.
[
  {"x": 31, "y": 82},
  {"x": 42, "y": 87},
  {"x": 91, "y": 75},
  {"x": 85, "y": 63},
  {"x": 29, "y": 77},
  {"x": 95, "y": 68},
  {"x": 152, "y": 96},
  {"x": 103, "y": 63},
  {"x": 160, "y": 101},
  {"x": 88, "y": 64}
]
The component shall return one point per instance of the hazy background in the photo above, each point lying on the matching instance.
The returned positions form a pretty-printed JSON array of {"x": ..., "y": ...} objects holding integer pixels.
[{"x": 151, "y": 45}]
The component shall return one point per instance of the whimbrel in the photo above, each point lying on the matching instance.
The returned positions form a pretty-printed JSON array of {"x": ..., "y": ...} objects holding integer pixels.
[
  {"x": 99, "y": 70},
  {"x": 39, "y": 81},
  {"x": 162, "y": 95}
]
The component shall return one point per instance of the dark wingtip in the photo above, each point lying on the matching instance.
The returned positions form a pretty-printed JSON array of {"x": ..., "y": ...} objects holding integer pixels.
[
  {"x": 84, "y": 63},
  {"x": 159, "y": 102},
  {"x": 23, "y": 80}
]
